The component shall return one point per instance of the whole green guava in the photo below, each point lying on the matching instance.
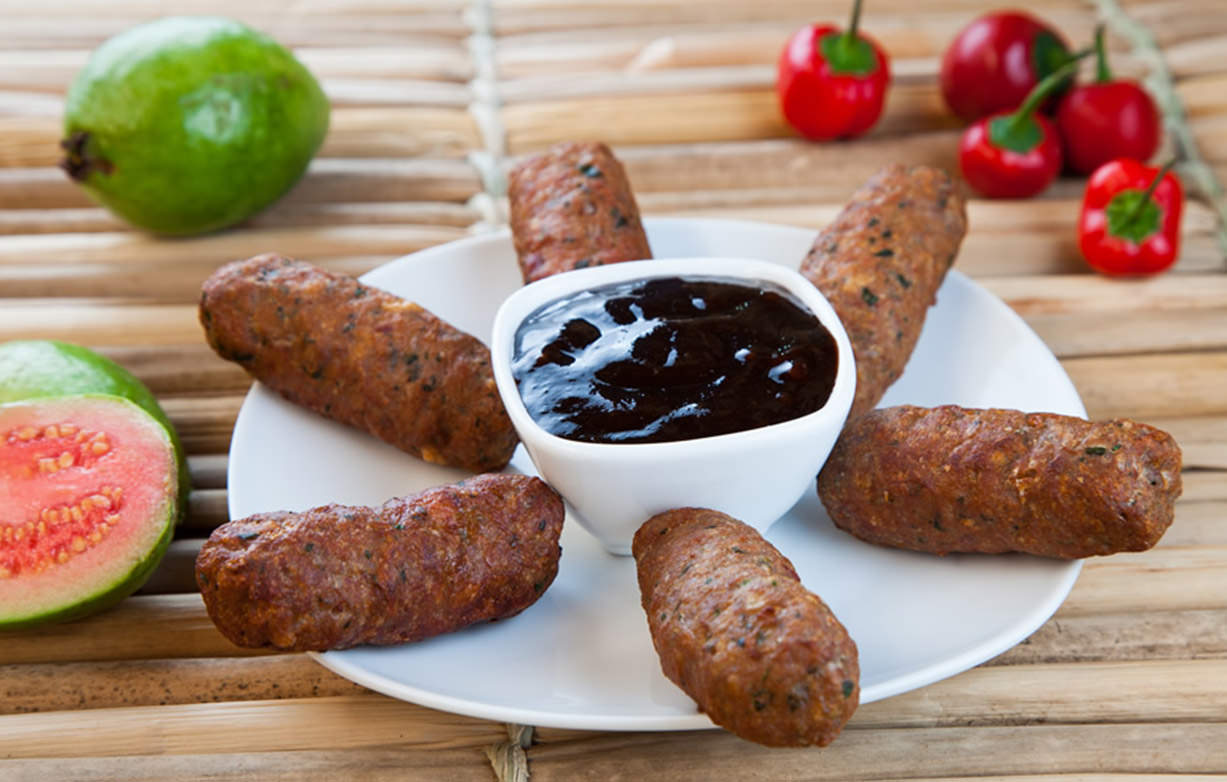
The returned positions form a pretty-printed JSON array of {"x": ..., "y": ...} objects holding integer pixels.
[{"x": 190, "y": 124}]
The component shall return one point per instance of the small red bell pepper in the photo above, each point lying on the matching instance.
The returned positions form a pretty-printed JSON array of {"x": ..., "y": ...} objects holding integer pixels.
[
  {"x": 1018, "y": 154},
  {"x": 1130, "y": 221},
  {"x": 996, "y": 60},
  {"x": 1109, "y": 119},
  {"x": 832, "y": 84}
]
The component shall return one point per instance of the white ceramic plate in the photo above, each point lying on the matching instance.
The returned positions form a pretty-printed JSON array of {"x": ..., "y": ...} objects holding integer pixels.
[{"x": 581, "y": 657}]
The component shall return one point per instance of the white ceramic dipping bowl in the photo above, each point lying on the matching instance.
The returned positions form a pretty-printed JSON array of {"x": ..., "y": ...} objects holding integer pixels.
[{"x": 612, "y": 488}]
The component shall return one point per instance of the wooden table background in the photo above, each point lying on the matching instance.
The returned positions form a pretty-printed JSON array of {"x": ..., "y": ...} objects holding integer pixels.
[{"x": 431, "y": 98}]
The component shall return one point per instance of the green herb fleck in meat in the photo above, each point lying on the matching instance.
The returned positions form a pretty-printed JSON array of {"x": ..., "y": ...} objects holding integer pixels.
[{"x": 869, "y": 296}]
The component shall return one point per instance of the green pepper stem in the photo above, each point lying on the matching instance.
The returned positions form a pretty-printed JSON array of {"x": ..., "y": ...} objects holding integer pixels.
[
  {"x": 1042, "y": 91},
  {"x": 1150, "y": 191},
  {"x": 1102, "y": 74},
  {"x": 849, "y": 37}
]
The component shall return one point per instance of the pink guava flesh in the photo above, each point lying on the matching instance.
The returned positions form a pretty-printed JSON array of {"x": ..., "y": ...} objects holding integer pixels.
[{"x": 87, "y": 505}]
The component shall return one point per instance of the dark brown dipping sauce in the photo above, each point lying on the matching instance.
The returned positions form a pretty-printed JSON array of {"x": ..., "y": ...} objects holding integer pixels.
[{"x": 672, "y": 359}]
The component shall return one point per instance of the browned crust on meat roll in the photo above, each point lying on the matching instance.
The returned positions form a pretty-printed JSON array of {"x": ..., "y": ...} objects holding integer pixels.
[
  {"x": 360, "y": 356},
  {"x": 880, "y": 264},
  {"x": 951, "y": 479},
  {"x": 337, "y": 576},
  {"x": 735, "y": 629},
  {"x": 572, "y": 207}
]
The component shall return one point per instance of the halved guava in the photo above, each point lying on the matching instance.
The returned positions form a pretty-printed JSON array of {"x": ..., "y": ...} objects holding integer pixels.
[
  {"x": 88, "y": 501},
  {"x": 36, "y": 368}
]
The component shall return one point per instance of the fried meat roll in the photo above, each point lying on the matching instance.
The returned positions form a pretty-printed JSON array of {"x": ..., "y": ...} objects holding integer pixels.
[
  {"x": 880, "y": 264},
  {"x": 572, "y": 207},
  {"x": 338, "y": 576},
  {"x": 735, "y": 629},
  {"x": 360, "y": 356},
  {"x": 952, "y": 479}
]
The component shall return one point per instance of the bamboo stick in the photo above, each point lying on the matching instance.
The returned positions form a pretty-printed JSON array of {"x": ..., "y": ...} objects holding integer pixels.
[
  {"x": 49, "y": 687},
  {"x": 99, "y": 322},
  {"x": 437, "y": 59},
  {"x": 1175, "y": 691},
  {"x": 395, "y": 131},
  {"x": 343, "y": 92},
  {"x": 326, "y": 10},
  {"x": 131, "y": 248},
  {"x": 55, "y": 221},
  {"x": 1071, "y": 335},
  {"x": 1199, "y": 523},
  {"x": 171, "y": 281},
  {"x": 889, "y": 753},
  {"x": 518, "y": 17},
  {"x": 333, "y": 180},
  {"x": 207, "y": 510},
  {"x": 831, "y": 172},
  {"x": 1208, "y": 132},
  {"x": 1137, "y": 635},
  {"x": 1200, "y": 56},
  {"x": 1106, "y": 296},
  {"x": 284, "y": 214},
  {"x": 204, "y": 424},
  {"x": 50, "y": 30},
  {"x": 1203, "y": 485},
  {"x": 442, "y": 59},
  {"x": 370, "y": 764},
  {"x": 1151, "y": 386},
  {"x": 729, "y": 115},
  {"x": 338, "y": 722},
  {"x": 1174, "y": 579},
  {"x": 41, "y": 69},
  {"x": 1203, "y": 439},
  {"x": 208, "y": 471},
  {"x": 192, "y": 369},
  {"x": 369, "y": 213},
  {"x": 143, "y": 627},
  {"x": 31, "y": 103},
  {"x": 39, "y": 188},
  {"x": 723, "y": 116},
  {"x": 915, "y": 43},
  {"x": 328, "y": 180},
  {"x": 1171, "y": 21},
  {"x": 30, "y": 141},
  {"x": 176, "y": 573}
]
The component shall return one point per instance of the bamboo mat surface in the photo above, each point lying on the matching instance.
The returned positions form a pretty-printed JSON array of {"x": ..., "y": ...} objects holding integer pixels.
[{"x": 431, "y": 100}]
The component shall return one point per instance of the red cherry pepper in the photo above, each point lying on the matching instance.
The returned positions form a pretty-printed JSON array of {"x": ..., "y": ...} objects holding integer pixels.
[
  {"x": 1109, "y": 119},
  {"x": 1130, "y": 221},
  {"x": 832, "y": 84},
  {"x": 996, "y": 60},
  {"x": 1014, "y": 155}
]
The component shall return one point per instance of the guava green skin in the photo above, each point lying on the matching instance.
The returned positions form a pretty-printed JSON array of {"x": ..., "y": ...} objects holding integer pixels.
[
  {"x": 131, "y": 581},
  {"x": 32, "y": 369},
  {"x": 192, "y": 123}
]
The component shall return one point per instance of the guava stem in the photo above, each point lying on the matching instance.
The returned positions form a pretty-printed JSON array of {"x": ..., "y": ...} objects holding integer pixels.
[{"x": 78, "y": 163}]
